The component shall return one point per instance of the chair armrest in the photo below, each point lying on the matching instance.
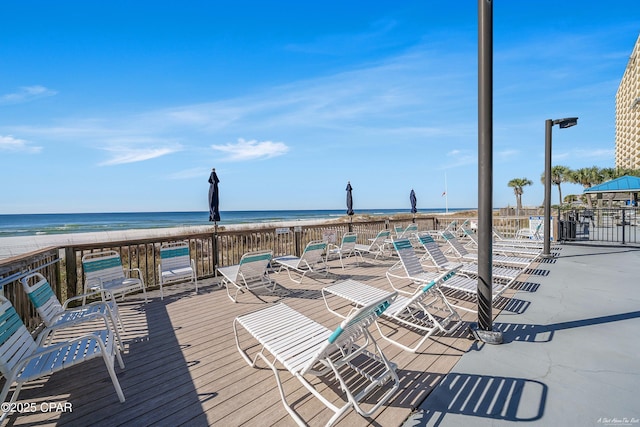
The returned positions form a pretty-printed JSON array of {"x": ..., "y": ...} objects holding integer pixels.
[
  {"x": 130, "y": 270},
  {"x": 45, "y": 333},
  {"x": 136, "y": 269},
  {"x": 55, "y": 347},
  {"x": 106, "y": 294}
]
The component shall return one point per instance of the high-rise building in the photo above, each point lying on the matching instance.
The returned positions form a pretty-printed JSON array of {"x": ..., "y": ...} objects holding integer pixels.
[{"x": 628, "y": 114}]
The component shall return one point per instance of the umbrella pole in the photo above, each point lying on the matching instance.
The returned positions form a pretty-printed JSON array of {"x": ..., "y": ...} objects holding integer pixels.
[{"x": 215, "y": 248}]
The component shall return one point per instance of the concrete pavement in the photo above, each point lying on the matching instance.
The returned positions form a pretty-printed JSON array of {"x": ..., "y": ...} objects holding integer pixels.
[{"x": 572, "y": 358}]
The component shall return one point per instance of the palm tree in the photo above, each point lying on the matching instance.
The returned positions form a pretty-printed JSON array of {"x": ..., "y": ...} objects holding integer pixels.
[
  {"x": 608, "y": 174},
  {"x": 518, "y": 184},
  {"x": 627, "y": 171},
  {"x": 587, "y": 177},
  {"x": 559, "y": 174}
]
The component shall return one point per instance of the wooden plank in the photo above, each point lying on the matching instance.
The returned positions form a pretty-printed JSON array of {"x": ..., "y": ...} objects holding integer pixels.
[{"x": 182, "y": 366}]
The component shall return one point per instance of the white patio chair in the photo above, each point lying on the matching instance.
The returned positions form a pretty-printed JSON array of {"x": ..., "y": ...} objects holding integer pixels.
[
  {"x": 176, "y": 265},
  {"x": 346, "y": 249},
  {"x": 348, "y": 357},
  {"x": 308, "y": 261},
  {"x": 57, "y": 316},
  {"x": 377, "y": 246},
  {"x": 104, "y": 271},
  {"x": 251, "y": 273},
  {"x": 23, "y": 359},
  {"x": 427, "y": 311}
]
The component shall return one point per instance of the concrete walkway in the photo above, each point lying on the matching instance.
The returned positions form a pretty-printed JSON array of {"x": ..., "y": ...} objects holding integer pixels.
[{"x": 571, "y": 359}]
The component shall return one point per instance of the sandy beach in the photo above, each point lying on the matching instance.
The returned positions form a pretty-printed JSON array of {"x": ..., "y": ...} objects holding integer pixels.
[{"x": 17, "y": 245}]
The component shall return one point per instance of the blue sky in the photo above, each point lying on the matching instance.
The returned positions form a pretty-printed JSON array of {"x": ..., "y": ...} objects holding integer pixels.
[{"x": 126, "y": 106}]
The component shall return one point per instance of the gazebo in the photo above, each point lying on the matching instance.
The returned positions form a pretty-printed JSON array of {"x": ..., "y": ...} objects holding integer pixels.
[{"x": 625, "y": 188}]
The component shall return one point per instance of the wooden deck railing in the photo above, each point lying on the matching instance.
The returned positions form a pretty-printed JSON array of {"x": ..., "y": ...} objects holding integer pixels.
[
  {"x": 45, "y": 261},
  {"x": 63, "y": 266}
]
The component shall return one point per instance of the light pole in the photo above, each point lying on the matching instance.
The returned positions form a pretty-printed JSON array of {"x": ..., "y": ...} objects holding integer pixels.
[
  {"x": 483, "y": 330},
  {"x": 549, "y": 123}
]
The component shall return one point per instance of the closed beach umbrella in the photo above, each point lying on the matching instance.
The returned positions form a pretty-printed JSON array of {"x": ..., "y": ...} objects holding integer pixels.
[
  {"x": 214, "y": 199},
  {"x": 349, "y": 199},
  {"x": 414, "y": 201}
]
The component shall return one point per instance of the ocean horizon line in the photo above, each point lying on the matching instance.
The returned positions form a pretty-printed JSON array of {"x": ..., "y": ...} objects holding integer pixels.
[
  {"x": 367, "y": 210},
  {"x": 71, "y": 223}
]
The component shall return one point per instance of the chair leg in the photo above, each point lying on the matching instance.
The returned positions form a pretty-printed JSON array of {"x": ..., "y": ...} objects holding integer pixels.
[
  {"x": 108, "y": 361},
  {"x": 5, "y": 392},
  {"x": 119, "y": 342},
  {"x": 226, "y": 284}
]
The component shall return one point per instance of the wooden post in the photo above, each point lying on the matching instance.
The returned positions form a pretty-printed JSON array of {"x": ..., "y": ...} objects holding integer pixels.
[
  {"x": 297, "y": 237},
  {"x": 71, "y": 269}
]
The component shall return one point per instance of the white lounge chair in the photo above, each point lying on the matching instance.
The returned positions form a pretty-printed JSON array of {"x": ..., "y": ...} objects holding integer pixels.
[
  {"x": 413, "y": 271},
  {"x": 427, "y": 311},
  {"x": 461, "y": 253},
  {"x": 346, "y": 249},
  {"x": 529, "y": 233},
  {"x": 519, "y": 242},
  {"x": 408, "y": 232},
  {"x": 176, "y": 265},
  {"x": 308, "y": 261},
  {"x": 23, "y": 359},
  {"x": 506, "y": 249},
  {"x": 377, "y": 246},
  {"x": 408, "y": 267},
  {"x": 251, "y": 273},
  {"x": 434, "y": 254},
  {"x": 348, "y": 357},
  {"x": 57, "y": 316},
  {"x": 104, "y": 271}
]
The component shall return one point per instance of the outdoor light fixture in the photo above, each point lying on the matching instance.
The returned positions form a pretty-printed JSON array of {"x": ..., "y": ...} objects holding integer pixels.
[
  {"x": 566, "y": 123},
  {"x": 549, "y": 123}
]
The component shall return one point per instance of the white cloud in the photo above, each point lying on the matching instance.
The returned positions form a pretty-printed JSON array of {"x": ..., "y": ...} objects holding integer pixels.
[
  {"x": 121, "y": 155},
  {"x": 26, "y": 94},
  {"x": 250, "y": 150},
  {"x": 9, "y": 143}
]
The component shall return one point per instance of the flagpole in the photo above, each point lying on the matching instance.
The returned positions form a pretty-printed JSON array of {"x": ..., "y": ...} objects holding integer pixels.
[{"x": 446, "y": 195}]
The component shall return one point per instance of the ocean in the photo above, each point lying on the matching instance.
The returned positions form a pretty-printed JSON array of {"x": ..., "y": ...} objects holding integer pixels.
[{"x": 47, "y": 224}]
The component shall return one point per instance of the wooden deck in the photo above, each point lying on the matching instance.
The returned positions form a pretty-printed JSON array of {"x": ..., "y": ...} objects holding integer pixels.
[{"x": 183, "y": 368}]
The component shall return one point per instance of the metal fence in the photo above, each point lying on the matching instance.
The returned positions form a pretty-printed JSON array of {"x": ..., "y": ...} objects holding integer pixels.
[{"x": 613, "y": 225}]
